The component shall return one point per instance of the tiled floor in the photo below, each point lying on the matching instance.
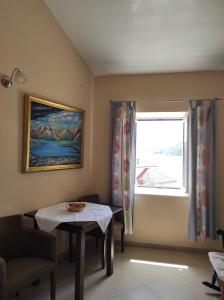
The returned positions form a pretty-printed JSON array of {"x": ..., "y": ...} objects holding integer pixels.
[{"x": 133, "y": 281}]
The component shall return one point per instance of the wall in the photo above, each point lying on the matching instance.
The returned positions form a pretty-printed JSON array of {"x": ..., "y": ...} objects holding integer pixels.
[
  {"x": 158, "y": 219},
  {"x": 31, "y": 39}
]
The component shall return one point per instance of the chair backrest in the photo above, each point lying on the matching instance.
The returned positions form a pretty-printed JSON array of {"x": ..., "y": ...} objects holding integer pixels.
[
  {"x": 92, "y": 198},
  {"x": 221, "y": 233},
  {"x": 9, "y": 229}
]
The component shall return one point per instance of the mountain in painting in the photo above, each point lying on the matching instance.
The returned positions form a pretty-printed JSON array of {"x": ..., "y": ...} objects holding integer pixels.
[{"x": 61, "y": 125}]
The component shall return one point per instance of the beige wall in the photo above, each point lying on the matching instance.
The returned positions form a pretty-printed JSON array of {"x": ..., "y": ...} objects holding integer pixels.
[
  {"x": 31, "y": 39},
  {"x": 158, "y": 219}
]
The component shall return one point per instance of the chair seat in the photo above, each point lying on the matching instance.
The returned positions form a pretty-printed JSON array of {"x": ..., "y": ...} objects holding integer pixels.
[
  {"x": 22, "y": 271},
  {"x": 217, "y": 261}
]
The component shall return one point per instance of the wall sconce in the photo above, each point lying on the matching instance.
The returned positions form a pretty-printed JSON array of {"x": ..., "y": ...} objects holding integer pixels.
[{"x": 17, "y": 77}]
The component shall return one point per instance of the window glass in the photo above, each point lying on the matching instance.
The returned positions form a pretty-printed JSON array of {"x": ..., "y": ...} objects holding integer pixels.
[{"x": 159, "y": 153}]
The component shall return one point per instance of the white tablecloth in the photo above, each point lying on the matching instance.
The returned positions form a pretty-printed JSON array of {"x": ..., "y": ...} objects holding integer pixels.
[{"x": 50, "y": 217}]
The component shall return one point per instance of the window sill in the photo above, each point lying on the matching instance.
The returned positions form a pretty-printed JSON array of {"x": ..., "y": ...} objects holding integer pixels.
[{"x": 161, "y": 192}]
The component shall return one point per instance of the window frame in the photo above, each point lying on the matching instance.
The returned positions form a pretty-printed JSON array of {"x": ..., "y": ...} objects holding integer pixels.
[{"x": 167, "y": 191}]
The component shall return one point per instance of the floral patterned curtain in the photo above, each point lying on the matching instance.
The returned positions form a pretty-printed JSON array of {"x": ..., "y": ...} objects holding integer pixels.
[
  {"x": 123, "y": 148},
  {"x": 202, "y": 173}
]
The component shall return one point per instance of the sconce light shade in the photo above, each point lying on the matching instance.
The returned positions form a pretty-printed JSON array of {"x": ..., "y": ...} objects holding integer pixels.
[{"x": 17, "y": 77}]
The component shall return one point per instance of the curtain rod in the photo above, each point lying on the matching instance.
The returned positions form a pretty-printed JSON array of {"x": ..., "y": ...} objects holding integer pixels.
[{"x": 177, "y": 100}]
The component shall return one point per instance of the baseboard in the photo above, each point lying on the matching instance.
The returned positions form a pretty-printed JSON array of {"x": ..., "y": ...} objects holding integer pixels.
[
  {"x": 168, "y": 247},
  {"x": 64, "y": 255}
]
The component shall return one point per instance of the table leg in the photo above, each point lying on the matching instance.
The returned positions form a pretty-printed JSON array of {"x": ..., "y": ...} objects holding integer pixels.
[
  {"x": 110, "y": 247},
  {"x": 71, "y": 246},
  {"x": 79, "y": 264},
  {"x": 35, "y": 225}
]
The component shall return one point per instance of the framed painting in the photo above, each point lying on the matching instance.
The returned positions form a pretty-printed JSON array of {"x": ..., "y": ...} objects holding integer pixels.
[{"x": 53, "y": 136}]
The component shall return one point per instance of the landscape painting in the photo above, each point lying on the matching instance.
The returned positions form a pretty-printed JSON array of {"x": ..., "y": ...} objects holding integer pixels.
[{"x": 53, "y": 136}]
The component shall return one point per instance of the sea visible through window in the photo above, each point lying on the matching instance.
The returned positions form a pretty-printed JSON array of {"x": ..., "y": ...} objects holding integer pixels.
[{"x": 160, "y": 152}]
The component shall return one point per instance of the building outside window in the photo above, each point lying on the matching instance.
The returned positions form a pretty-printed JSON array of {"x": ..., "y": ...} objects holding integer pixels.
[{"x": 161, "y": 150}]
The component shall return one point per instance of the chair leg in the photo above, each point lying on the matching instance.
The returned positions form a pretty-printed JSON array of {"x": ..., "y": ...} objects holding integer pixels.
[
  {"x": 53, "y": 285},
  {"x": 103, "y": 252},
  {"x": 122, "y": 240}
]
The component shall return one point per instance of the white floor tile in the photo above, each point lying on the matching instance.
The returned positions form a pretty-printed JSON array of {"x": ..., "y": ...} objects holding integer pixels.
[{"x": 132, "y": 281}]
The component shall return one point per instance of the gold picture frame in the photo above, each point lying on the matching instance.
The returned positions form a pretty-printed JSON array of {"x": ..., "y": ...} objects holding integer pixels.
[{"x": 53, "y": 136}]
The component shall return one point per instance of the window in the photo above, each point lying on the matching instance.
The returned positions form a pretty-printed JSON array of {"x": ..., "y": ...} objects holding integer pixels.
[{"x": 160, "y": 153}]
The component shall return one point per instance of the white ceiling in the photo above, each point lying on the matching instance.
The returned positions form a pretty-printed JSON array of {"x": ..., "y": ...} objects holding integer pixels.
[{"x": 144, "y": 36}]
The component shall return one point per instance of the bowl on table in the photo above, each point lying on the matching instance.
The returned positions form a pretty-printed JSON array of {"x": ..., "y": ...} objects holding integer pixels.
[{"x": 75, "y": 206}]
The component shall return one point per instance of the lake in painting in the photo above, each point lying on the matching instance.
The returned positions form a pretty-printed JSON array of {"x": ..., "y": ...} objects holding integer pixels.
[{"x": 55, "y": 136}]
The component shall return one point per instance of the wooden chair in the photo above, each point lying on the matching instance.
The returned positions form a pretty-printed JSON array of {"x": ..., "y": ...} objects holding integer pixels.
[
  {"x": 24, "y": 255},
  {"x": 97, "y": 233},
  {"x": 119, "y": 220},
  {"x": 217, "y": 262}
]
